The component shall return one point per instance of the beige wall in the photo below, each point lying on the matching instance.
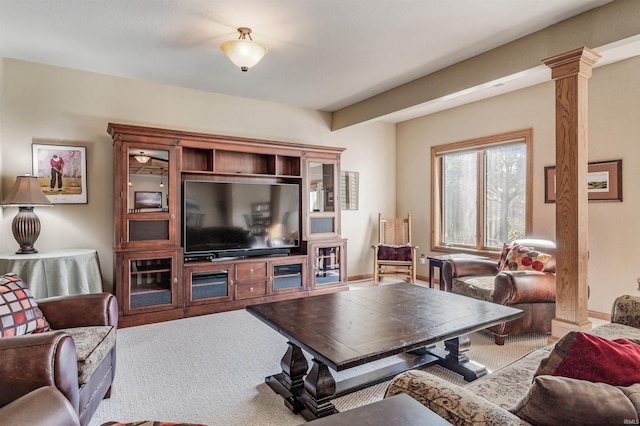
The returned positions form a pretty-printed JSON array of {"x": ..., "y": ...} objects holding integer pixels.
[
  {"x": 614, "y": 106},
  {"x": 73, "y": 107},
  {"x": 68, "y": 106}
]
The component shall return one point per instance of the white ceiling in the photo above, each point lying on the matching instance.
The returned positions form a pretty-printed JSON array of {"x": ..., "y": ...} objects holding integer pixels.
[{"x": 323, "y": 54}]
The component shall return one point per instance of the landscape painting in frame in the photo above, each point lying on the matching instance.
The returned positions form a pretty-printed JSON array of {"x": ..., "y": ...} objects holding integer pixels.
[
  {"x": 604, "y": 181},
  {"x": 62, "y": 172}
]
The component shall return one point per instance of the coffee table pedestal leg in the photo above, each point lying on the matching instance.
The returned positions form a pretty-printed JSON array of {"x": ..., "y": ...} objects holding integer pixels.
[
  {"x": 455, "y": 358},
  {"x": 319, "y": 388},
  {"x": 290, "y": 383}
]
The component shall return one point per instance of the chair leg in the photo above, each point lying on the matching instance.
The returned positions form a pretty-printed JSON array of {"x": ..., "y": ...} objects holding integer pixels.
[{"x": 499, "y": 339}]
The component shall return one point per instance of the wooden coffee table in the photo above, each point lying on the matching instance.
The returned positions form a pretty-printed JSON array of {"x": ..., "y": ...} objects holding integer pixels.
[{"x": 349, "y": 329}]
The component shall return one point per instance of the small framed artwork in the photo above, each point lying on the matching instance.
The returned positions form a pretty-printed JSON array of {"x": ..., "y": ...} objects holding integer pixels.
[
  {"x": 147, "y": 200},
  {"x": 62, "y": 172},
  {"x": 604, "y": 182}
]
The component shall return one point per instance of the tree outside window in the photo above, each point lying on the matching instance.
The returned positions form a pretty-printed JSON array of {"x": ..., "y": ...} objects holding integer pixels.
[{"x": 481, "y": 191}]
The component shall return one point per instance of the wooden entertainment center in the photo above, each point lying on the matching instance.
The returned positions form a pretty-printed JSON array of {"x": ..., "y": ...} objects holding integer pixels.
[{"x": 156, "y": 281}]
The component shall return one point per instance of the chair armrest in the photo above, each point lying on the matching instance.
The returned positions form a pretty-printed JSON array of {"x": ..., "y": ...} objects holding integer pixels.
[
  {"x": 626, "y": 311},
  {"x": 513, "y": 287},
  {"x": 453, "y": 403},
  {"x": 466, "y": 267},
  {"x": 35, "y": 360},
  {"x": 80, "y": 310},
  {"x": 44, "y": 406}
]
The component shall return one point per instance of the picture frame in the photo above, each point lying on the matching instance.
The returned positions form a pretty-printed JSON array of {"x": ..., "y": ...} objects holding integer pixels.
[
  {"x": 68, "y": 184},
  {"x": 604, "y": 182},
  {"x": 147, "y": 200}
]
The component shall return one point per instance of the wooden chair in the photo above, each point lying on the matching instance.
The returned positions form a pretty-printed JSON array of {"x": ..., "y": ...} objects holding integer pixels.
[{"x": 394, "y": 255}]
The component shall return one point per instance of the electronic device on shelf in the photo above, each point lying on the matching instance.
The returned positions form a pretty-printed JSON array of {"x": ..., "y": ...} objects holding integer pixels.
[{"x": 224, "y": 219}]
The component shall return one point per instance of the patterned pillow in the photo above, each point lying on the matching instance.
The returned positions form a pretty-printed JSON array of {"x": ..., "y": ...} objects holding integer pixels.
[
  {"x": 19, "y": 312},
  {"x": 522, "y": 258},
  {"x": 506, "y": 248},
  {"x": 391, "y": 252}
]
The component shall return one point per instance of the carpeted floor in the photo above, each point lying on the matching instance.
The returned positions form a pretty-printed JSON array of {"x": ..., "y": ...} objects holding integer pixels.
[{"x": 211, "y": 369}]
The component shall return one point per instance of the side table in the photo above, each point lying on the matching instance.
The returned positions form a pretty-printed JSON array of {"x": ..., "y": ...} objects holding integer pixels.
[
  {"x": 438, "y": 261},
  {"x": 56, "y": 272},
  {"x": 398, "y": 410}
]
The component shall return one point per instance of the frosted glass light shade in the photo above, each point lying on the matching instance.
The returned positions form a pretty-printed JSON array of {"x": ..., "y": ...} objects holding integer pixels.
[{"x": 244, "y": 53}]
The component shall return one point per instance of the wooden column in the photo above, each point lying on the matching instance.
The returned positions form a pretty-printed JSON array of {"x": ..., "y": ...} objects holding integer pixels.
[{"x": 571, "y": 70}]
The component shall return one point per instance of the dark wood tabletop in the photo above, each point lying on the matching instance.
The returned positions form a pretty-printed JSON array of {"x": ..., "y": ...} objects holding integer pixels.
[
  {"x": 348, "y": 329},
  {"x": 398, "y": 410}
]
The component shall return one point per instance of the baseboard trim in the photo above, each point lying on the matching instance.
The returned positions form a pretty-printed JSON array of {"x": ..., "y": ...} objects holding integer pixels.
[
  {"x": 370, "y": 277},
  {"x": 600, "y": 315}
]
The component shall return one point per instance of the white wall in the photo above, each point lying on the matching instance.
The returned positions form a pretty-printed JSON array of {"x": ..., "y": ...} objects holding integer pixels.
[
  {"x": 614, "y": 106},
  {"x": 74, "y": 107}
]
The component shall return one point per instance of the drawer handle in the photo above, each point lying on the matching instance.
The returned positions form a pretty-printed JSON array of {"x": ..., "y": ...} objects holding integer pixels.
[
  {"x": 251, "y": 270},
  {"x": 230, "y": 282},
  {"x": 250, "y": 289}
]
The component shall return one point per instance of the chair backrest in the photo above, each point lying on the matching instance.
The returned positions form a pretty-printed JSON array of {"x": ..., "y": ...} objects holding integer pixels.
[{"x": 394, "y": 231}]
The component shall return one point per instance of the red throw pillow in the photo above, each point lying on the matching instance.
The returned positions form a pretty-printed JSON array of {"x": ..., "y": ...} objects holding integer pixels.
[
  {"x": 19, "y": 312},
  {"x": 596, "y": 359}
]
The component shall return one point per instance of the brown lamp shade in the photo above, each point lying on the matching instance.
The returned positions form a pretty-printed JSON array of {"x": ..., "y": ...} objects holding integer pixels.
[{"x": 26, "y": 192}]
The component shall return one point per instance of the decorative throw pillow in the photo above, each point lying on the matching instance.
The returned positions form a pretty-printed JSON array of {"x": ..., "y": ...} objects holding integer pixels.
[
  {"x": 596, "y": 359},
  {"x": 391, "y": 252},
  {"x": 506, "y": 248},
  {"x": 19, "y": 312},
  {"x": 563, "y": 401},
  {"x": 549, "y": 364},
  {"x": 525, "y": 259}
]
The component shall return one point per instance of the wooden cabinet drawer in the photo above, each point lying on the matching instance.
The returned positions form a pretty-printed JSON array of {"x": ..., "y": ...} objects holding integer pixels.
[
  {"x": 252, "y": 289},
  {"x": 251, "y": 271}
]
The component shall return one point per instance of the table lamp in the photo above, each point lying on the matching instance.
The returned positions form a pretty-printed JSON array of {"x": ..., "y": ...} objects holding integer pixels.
[{"x": 26, "y": 194}]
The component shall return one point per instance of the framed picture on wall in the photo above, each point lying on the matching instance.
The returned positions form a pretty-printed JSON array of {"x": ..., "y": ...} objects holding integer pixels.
[
  {"x": 62, "y": 172},
  {"x": 604, "y": 181}
]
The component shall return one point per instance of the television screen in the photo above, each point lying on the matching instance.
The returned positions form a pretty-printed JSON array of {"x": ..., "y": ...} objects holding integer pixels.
[{"x": 223, "y": 217}]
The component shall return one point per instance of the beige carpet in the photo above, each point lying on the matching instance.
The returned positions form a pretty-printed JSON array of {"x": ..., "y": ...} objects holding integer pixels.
[{"x": 211, "y": 369}]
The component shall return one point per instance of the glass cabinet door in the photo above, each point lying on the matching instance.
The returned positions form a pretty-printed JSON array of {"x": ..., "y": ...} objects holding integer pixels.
[
  {"x": 150, "y": 283},
  {"x": 208, "y": 283},
  {"x": 322, "y": 199},
  {"x": 288, "y": 274},
  {"x": 148, "y": 199},
  {"x": 329, "y": 267}
]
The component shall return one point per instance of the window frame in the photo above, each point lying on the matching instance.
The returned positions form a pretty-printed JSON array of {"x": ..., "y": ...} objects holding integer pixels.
[{"x": 477, "y": 145}]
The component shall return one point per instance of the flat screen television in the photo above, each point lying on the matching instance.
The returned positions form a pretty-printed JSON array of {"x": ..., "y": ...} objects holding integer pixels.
[{"x": 234, "y": 219}]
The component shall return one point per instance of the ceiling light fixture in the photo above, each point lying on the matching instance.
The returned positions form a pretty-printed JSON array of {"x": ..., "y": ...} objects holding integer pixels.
[
  {"x": 244, "y": 52},
  {"x": 141, "y": 158}
]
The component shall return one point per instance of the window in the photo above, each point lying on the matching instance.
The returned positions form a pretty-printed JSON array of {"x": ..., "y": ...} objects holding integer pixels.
[{"x": 481, "y": 192}]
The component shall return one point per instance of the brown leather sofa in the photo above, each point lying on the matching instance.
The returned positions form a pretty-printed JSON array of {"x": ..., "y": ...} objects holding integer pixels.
[
  {"x": 44, "y": 406},
  {"x": 78, "y": 357},
  {"x": 532, "y": 291}
]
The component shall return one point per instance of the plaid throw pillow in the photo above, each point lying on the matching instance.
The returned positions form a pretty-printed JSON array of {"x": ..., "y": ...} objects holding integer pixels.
[{"x": 19, "y": 312}]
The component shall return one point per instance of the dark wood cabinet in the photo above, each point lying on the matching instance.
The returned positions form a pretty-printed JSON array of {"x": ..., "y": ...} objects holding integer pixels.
[{"x": 154, "y": 280}]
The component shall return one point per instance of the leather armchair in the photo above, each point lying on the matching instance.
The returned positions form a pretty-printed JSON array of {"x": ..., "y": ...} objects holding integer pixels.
[
  {"x": 44, "y": 406},
  {"x": 54, "y": 359},
  {"x": 532, "y": 291}
]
